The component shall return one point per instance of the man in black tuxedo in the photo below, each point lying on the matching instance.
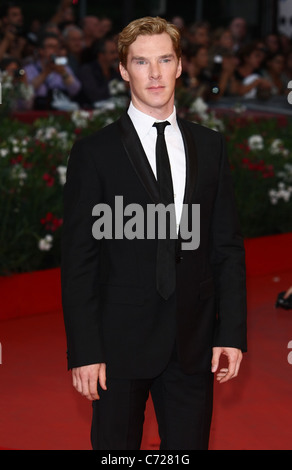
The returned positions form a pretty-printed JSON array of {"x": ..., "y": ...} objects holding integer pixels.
[{"x": 151, "y": 314}]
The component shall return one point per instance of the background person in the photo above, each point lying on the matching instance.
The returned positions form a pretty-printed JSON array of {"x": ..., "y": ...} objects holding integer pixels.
[
  {"x": 46, "y": 76},
  {"x": 12, "y": 39},
  {"x": 96, "y": 75}
]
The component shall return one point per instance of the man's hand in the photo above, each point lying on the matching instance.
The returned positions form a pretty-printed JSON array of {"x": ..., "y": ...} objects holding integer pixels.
[
  {"x": 234, "y": 357},
  {"x": 86, "y": 378}
]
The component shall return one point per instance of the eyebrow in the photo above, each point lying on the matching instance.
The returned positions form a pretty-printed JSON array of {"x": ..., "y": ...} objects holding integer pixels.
[{"x": 164, "y": 56}]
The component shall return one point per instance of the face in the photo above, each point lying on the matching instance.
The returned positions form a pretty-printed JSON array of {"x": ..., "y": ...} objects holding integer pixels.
[
  {"x": 202, "y": 36},
  {"x": 255, "y": 59},
  {"x": 152, "y": 70},
  {"x": 202, "y": 58},
  {"x": 15, "y": 16},
  {"x": 226, "y": 40},
  {"x": 272, "y": 43},
  {"x": 277, "y": 65},
  {"x": 75, "y": 41},
  {"x": 110, "y": 54},
  {"x": 51, "y": 46},
  {"x": 92, "y": 27},
  {"x": 238, "y": 28}
]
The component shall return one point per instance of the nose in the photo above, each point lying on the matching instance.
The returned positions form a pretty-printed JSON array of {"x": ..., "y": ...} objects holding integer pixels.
[{"x": 155, "y": 72}]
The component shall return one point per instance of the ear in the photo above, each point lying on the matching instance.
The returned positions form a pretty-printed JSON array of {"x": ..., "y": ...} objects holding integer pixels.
[
  {"x": 179, "y": 68},
  {"x": 123, "y": 72}
]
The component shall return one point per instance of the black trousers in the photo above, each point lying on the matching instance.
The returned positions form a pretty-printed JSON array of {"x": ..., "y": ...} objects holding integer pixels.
[{"x": 183, "y": 406}]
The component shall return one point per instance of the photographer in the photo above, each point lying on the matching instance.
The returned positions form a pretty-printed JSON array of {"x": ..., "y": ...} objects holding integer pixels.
[
  {"x": 12, "y": 39},
  {"x": 20, "y": 94},
  {"x": 50, "y": 73},
  {"x": 284, "y": 299}
]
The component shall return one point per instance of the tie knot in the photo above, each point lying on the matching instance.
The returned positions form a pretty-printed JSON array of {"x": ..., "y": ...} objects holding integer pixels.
[{"x": 160, "y": 126}]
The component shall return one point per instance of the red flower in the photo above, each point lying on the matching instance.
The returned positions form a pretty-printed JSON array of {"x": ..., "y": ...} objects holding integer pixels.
[
  {"x": 267, "y": 171},
  {"x": 48, "y": 179},
  {"x": 16, "y": 160},
  {"x": 51, "y": 222},
  {"x": 244, "y": 147}
]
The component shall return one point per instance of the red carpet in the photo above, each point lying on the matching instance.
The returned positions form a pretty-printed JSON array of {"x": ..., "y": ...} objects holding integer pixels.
[{"x": 39, "y": 409}]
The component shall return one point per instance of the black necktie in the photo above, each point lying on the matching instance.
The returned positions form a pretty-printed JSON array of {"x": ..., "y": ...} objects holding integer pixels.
[{"x": 165, "y": 267}]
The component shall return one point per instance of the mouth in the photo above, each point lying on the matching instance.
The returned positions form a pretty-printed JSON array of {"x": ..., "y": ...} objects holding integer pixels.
[{"x": 155, "y": 88}]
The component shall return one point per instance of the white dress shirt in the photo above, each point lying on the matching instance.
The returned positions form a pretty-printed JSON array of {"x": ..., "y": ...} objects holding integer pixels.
[{"x": 143, "y": 124}]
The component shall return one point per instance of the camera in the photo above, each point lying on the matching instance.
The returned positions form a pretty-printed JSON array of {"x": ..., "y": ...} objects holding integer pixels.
[
  {"x": 59, "y": 60},
  {"x": 19, "y": 73},
  {"x": 284, "y": 303}
]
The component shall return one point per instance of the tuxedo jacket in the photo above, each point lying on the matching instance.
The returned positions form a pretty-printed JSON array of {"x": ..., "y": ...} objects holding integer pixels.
[{"x": 112, "y": 310}]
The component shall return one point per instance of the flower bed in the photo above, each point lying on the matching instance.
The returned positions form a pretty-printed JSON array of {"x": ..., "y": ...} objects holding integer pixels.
[{"x": 33, "y": 159}]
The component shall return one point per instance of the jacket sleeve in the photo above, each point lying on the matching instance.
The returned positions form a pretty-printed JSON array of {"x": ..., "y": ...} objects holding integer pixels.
[
  {"x": 80, "y": 260},
  {"x": 228, "y": 260}
]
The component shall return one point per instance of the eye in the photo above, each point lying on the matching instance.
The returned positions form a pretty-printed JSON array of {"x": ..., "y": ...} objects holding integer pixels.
[{"x": 166, "y": 59}]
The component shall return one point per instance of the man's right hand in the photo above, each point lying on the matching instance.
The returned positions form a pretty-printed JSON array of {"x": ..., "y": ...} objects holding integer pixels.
[{"x": 86, "y": 378}]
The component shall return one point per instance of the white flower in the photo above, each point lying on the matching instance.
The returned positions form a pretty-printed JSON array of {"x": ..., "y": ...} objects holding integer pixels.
[
  {"x": 81, "y": 117},
  {"x": 277, "y": 148},
  {"x": 46, "y": 133},
  {"x": 256, "y": 142},
  {"x": 286, "y": 174},
  {"x": 239, "y": 108},
  {"x": 200, "y": 107},
  {"x": 211, "y": 121},
  {"x": 6, "y": 81},
  {"x": 62, "y": 174},
  {"x": 13, "y": 140},
  {"x": 45, "y": 244},
  {"x": 27, "y": 91},
  {"x": 3, "y": 152},
  {"x": 19, "y": 173},
  {"x": 116, "y": 87},
  {"x": 282, "y": 192}
]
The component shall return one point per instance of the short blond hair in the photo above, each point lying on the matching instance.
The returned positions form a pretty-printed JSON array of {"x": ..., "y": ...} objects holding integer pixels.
[{"x": 146, "y": 26}]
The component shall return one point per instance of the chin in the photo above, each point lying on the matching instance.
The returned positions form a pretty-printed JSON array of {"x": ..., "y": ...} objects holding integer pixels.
[{"x": 158, "y": 101}]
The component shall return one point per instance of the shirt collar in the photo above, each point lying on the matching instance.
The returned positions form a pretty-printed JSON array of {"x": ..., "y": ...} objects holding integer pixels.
[{"x": 144, "y": 123}]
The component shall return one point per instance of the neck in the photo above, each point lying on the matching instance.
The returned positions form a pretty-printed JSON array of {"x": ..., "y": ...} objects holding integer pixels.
[{"x": 160, "y": 113}]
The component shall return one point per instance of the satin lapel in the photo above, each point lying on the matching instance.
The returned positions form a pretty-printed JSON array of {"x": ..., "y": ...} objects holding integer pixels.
[
  {"x": 137, "y": 156},
  {"x": 191, "y": 160}
]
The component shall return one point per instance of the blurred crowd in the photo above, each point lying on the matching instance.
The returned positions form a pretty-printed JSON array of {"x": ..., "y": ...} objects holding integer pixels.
[{"x": 80, "y": 58}]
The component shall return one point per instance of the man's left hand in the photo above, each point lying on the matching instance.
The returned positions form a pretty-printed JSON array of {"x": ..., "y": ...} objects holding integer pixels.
[{"x": 234, "y": 357}]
